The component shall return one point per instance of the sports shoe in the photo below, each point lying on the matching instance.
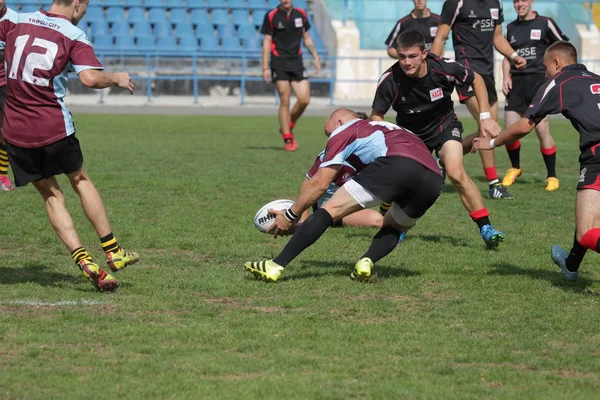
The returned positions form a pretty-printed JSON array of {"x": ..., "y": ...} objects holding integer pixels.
[
  {"x": 552, "y": 184},
  {"x": 362, "y": 270},
  {"x": 120, "y": 259},
  {"x": 497, "y": 191},
  {"x": 102, "y": 281},
  {"x": 5, "y": 183},
  {"x": 511, "y": 176},
  {"x": 294, "y": 145},
  {"x": 491, "y": 236},
  {"x": 267, "y": 270},
  {"x": 559, "y": 256},
  {"x": 402, "y": 236},
  {"x": 288, "y": 145}
]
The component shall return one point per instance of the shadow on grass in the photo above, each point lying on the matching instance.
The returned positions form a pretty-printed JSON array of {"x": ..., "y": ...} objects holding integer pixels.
[
  {"x": 328, "y": 268},
  {"x": 440, "y": 239},
  {"x": 278, "y": 148},
  {"x": 554, "y": 276},
  {"x": 35, "y": 273}
]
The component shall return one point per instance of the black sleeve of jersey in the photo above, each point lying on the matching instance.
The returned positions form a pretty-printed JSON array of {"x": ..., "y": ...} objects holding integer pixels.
[
  {"x": 448, "y": 11},
  {"x": 266, "y": 26},
  {"x": 546, "y": 101},
  {"x": 391, "y": 39},
  {"x": 463, "y": 75},
  {"x": 500, "y": 13},
  {"x": 385, "y": 94},
  {"x": 508, "y": 29},
  {"x": 306, "y": 23},
  {"x": 555, "y": 33}
]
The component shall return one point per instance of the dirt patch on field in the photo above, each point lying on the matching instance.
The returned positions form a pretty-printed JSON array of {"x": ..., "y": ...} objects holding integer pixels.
[{"x": 244, "y": 304}]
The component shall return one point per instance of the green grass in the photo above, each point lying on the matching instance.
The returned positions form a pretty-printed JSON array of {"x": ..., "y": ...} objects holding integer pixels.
[{"x": 444, "y": 318}]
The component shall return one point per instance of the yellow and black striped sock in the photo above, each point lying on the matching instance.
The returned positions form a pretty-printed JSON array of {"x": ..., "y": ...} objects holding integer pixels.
[
  {"x": 3, "y": 161},
  {"x": 384, "y": 207},
  {"x": 79, "y": 254},
  {"x": 109, "y": 243}
]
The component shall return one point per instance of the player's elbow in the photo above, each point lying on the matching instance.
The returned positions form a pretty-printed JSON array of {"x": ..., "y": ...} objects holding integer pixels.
[{"x": 89, "y": 78}]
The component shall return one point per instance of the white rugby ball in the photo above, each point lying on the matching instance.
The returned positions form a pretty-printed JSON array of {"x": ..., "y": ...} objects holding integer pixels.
[{"x": 263, "y": 220}]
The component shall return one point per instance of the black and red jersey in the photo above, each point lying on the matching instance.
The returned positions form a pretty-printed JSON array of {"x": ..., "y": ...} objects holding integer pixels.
[
  {"x": 473, "y": 23},
  {"x": 530, "y": 39},
  {"x": 575, "y": 93},
  {"x": 287, "y": 30},
  {"x": 426, "y": 26},
  {"x": 422, "y": 105}
]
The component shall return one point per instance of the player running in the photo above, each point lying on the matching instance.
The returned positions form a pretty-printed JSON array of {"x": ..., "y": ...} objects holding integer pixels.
[
  {"x": 5, "y": 183},
  {"x": 573, "y": 91},
  {"x": 476, "y": 29},
  {"x": 418, "y": 87},
  {"x": 530, "y": 34},
  {"x": 420, "y": 19},
  {"x": 41, "y": 48},
  {"x": 392, "y": 165}
]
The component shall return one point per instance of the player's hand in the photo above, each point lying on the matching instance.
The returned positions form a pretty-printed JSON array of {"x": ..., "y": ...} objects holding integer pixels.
[
  {"x": 318, "y": 65},
  {"x": 124, "y": 81},
  {"x": 520, "y": 62},
  {"x": 281, "y": 226},
  {"x": 506, "y": 86},
  {"x": 266, "y": 75},
  {"x": 489, "y": 128},
  {"x": 480, "y": 144}
]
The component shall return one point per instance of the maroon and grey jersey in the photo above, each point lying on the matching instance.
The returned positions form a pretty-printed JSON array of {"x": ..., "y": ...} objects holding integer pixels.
[
  {"x": 360, "y": 142},
  {"x": 287, "y": 30},
  {"x": 473, "y": 23},
  {"x": 426, "y": 26},
  {"x": 11, "y": 15},
  {"x": 530, "y": 39},
  {"x": 41, "y": 49},
  {"x": 575, "y": 93}
]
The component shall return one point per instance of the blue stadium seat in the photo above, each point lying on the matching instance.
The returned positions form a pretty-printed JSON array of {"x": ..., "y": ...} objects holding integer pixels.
[
  {"x": 252, "y": 44},
  {"x": 240, "y": 17},
  {"x": 142, "y": 29},
  {"x": 204, "y": 31},
  {"x": 146, "y": 43},
  {"x": 103, "y": 42},
  {"x": 297, "y": 3},
  {"x": 247, "y": 32},
  {"x": 99, "y": 28},
  {"x": 94, "y": 13},
  {"x": 236, "y": 3},
  {"x": 114, "y": 14},
  {"x": 257, "y": 4},
  {"x": 124, "y": 42},
  {"x": 134, "y": 3},
  {"x": 166, "y": 43},
  {"x": 162, "y": 29},
  {"x": 179, "y": 3},
  {"x": 231, "y": 43},
  {"x": 188, "y": 44},
  {"x": 136, "y": 14},
  {"x": 209, "y": 44},
  {"x": 219, "y": 17},
  {"x": 216, "y": 3},
  {"x": 226, "y": 30},
  {"x": 157, "y": 15},
  {"x": 199, "y": 16},
  {"x": 184, "y": 29},
  {"x": 121, "y": 28},
  {"x": 29, "y": 8},
  {"x": 110, "y": 3},
  {"x": 178, "y": 15},
  {"x": 154, "y": 3}
]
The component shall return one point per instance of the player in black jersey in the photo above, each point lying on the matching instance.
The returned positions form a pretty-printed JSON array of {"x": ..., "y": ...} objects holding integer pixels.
[
  {"x": 575, "y": 92},
  {"x": 418, "y": 87},
  {"x": 476, "y": 29},
  {"x": 420, "y": 19},
  {"x": 530, "y": 34}
]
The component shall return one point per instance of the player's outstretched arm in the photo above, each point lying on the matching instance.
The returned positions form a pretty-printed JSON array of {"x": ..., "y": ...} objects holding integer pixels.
[
  {"x": 437, "y": 47},
  {"x": 97, "y": 79},
  {"x": 514, "y": 132},
  {"x": 502, "y": 45},
  {"x": 376, "y": 116},
  {"x": 487, "y": 126},
  {"x": 310, "y": 46}
]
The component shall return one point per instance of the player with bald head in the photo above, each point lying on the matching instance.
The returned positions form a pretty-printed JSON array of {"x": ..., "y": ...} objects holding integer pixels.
[
  {"x": 392, "y": 165},
  {"x": 573, "y": 91}
]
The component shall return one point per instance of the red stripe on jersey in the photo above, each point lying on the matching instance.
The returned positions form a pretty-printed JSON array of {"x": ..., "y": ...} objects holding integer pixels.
[
  {"x": 440, "y": 72},
  {"x": 465, "y": 56},
  {"x": 593, "y": 186},
  {"x": 302, "y": 11},
  {"x": 593, "y": 148},
  {"x": 271, "y": 16},
  {"x": 274, "y": 48}
]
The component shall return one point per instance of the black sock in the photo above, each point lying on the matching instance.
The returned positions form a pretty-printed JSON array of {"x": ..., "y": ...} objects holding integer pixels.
[
  {"x": 307, "y": 234},
  {"x": 575, "y": 256},
  {"x": 482, "y": 221},
  {"x": 550, "y": 161},
  {"x": 515, "y": 157},
  {"x": 383, "y": 243}
]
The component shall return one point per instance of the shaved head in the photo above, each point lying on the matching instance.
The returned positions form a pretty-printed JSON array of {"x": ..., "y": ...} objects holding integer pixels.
[
  {"x": 339, "y": 117},
  {"x": 559, "y": 55}
]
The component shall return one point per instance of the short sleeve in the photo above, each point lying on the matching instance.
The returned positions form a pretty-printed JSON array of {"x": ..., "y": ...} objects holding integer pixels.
[
  {"x": 306, "y": 22},
  {"x": 545, "y": 102},
  {"x": 315, "y": 167},
  {"x": 339, "y": 148},
  {"x": 82, "y": 55},
  {"x": 555, "y": 34},
  {"x": 464, "y": 76},
  {"x": 449, "y": 12},
  {"x": 267, "y": 28},
  {"x": 385, "y": 93},
  {"x": 391, "y": 39},
  {"x": 5, "y": 26},
  {"x": 500, "y": 13}
]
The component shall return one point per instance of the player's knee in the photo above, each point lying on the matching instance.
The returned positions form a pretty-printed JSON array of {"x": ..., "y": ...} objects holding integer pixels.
[
  {"x": 304, "y": 101},
  {"x": 457, "y": 175}
]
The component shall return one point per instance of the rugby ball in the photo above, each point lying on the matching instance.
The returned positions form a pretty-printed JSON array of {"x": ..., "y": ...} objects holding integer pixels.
[{"x": 263, "y": 220}]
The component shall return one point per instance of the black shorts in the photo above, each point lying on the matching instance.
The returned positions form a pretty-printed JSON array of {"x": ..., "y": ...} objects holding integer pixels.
[
  {"x": 30, "y": 165},
  {"x": 403, "y": 181},
  {"x": 589, "y": 177},
  {"x": 466, "y": 92},
  {"x": 296, "y": 75},
  {"x": 452, "y": 132},
  {"x": 524, "y": 88},
  {"x": 2, "y": 97}
]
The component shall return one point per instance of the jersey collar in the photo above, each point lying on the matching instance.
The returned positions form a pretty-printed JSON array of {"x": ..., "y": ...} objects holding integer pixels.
[
  {"x": 46, "y": 13},
  {"x": 341, "y": 128},
  {"x": 574, "y": 67}
]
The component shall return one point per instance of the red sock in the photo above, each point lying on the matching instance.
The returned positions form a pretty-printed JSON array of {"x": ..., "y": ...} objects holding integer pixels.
[
  {"x": 292, "y": 125},
  {"x": 288, "y": 136},
  {"x": 548, "y": 151},
  {"x": 475, "y": 215},
  {"x": 513, "y": 146},
  {"x": 490, "y": 173},
  {"x": 591, "y": 240}
]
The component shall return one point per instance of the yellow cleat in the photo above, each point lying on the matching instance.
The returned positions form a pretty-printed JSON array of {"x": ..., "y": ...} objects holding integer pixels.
[
  {"x": 267, "y": 270},
  {"x": 118, "y": 260},
  {"x": 511, "y": 176},
  {"x": 102, "y": 281},
  {"x": 362, "y": 270},
  {"x": 552, "y": 184}
]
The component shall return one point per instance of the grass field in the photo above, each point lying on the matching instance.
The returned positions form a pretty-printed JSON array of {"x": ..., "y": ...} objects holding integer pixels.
[{"x": 444, "y": 319}]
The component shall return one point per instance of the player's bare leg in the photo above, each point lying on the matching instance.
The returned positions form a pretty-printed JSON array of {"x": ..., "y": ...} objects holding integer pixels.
[
  {"x": 284, "y": 90},
  {"x": 302, "y": 91},
  {"x": 548, "y": 150},
  {"x": 452, "y": 158},
  {"x": 62, "y": 222},
  {"x": 365, "y": 218},
  {"x": 91, "y": 202}
]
